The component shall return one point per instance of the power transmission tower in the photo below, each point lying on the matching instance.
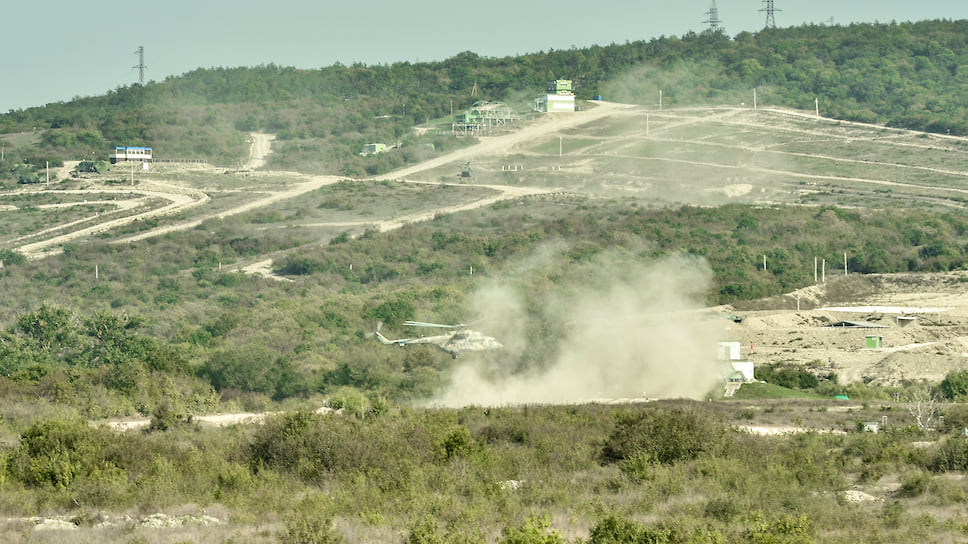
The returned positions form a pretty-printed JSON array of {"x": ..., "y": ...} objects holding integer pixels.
[
  {"x": 141, "y": 65},
  {"x": 713, "y": 20},
  {"x": 769, "y": 9}
]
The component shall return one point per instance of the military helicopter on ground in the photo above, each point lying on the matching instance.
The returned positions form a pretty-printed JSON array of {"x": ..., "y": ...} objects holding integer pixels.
[{"x": 454, "y": 343}]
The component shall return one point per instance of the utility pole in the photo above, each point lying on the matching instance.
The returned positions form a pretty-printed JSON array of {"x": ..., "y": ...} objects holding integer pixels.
[
  {"x": 713, "y": 20},
  {"x": 141, "y": 65},
  {"x": 769, "y": 9}
]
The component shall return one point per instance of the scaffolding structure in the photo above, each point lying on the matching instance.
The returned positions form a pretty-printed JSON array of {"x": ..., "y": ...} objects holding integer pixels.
[{"x": 482, "y": 117}]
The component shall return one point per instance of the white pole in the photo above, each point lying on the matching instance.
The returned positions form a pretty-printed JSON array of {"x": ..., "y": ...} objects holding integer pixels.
[
  {"x": 845, "y": 263},
  {"x": 660, "y": 99},
  {"x": 764, "y": 263},
  {"x": 754, "y": 98},
  {"x": 95, "y": 272},
  {"x": 816, "y": 105},
  {"x": 48, "y": 173}
]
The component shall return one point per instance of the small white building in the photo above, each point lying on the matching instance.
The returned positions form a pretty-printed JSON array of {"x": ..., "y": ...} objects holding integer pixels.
[
  {"x": 130, "y": 153},
  {"x": 728, "y": 351},
  {"x": 373, "y": 149},
  {"x": 738, "y": 371},
  {"x": 742, "y": 369},
  {"x": 551, "y": 103},
  {"x": 559, "y": 97}
]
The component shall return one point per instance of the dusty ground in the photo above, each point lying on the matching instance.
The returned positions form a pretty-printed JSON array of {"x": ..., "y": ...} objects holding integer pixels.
[{"x": 931, "y": 342}]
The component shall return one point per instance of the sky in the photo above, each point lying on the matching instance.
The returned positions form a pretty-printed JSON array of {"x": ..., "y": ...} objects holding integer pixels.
[{"x": 56, "y": 50}]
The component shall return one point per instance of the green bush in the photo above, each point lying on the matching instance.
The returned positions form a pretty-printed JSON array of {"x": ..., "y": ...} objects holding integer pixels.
[
  {"x": 950, "y": 455},
  {"x": 789, "y": 376},
  {"x": 914, "y": 485},
  {"x": 617, "y": 530},
  {"x": 310, "y": 523},
  {"x": 786, "y": 529},
  {"x": 53, "y": 453},
  {"x": 666, "y": 436},
  {"x": 534, "y": 530},
  {"x": 954, "y": 385}
]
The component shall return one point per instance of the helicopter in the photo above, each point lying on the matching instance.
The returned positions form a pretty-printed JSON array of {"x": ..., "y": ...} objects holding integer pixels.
[{"x": 454, "y": 343}]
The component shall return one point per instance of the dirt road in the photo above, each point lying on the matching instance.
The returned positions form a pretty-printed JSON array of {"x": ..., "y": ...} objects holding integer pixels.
[
  {"x": 497, "y": 145},
  {"x": 259, "y": 150},
  {"x": 261, "y": 147},
  {"x": 182, "y": 198},
  {"x": 179, "y": 200}
]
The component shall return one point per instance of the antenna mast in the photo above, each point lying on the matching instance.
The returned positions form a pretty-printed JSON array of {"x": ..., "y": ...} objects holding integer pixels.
[
  {"x": 141, "y": 65},
  {"x": 713, "y": 20},
  {"x": 769, "y": 9}
]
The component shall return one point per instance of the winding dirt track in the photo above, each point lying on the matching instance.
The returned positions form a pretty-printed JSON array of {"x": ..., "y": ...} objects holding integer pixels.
[{"x": 181, "y": 197}]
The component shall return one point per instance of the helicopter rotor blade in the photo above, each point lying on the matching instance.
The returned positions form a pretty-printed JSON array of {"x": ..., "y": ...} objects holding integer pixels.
[{"x": 435, "y": 325}]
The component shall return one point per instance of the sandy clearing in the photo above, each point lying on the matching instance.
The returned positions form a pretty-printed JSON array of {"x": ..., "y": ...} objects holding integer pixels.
[
  {"x": 211, "y": 420},
  {"x": 498, "y": 145},
  {"x": 925, "y": 348}
]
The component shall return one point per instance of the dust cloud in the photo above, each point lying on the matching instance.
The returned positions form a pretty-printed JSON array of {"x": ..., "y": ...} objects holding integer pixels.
[{"x": 625, "y": 331}]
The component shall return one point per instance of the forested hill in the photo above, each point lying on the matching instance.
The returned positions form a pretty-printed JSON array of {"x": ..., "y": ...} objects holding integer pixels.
[{"x": 912, "y": 75}]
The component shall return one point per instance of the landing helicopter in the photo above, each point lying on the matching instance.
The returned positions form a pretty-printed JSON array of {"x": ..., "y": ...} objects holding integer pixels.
[{"x": 454, "y": 343}]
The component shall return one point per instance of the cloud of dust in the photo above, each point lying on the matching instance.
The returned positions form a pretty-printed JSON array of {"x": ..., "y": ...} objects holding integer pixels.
[{"x": 627, "y": 332}]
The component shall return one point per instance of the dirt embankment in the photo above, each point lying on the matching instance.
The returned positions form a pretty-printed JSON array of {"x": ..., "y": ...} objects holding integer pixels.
[{"x": 893, "y": 328}]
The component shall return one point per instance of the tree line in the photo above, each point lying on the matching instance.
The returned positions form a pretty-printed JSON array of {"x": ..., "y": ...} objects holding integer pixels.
[{"x": 909, "y": 75}]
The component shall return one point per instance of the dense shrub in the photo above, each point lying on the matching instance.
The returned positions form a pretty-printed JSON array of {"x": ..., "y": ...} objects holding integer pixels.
[
  {"x": 534, "y": 530},
  {"x": 55, "y": 452},
  {"x": 791, "y": 377},
  {"x": 664, "y": 436},
  {"x": 954, "y": 385},
  {"x": 949, "y": 455}
]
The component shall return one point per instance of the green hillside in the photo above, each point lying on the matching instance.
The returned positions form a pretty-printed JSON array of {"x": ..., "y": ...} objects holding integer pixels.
[{"x": 903, "y": 75}]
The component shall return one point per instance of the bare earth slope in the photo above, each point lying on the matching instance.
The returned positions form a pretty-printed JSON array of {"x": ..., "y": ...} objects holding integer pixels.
[{"x": 922, "y": 318}]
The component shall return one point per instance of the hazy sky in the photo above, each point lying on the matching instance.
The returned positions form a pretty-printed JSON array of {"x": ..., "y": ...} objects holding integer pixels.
[{"x": 54, "y": 50}]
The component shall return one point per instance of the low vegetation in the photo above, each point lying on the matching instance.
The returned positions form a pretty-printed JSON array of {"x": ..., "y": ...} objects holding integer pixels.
[{"x": 529, "y": 474}]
